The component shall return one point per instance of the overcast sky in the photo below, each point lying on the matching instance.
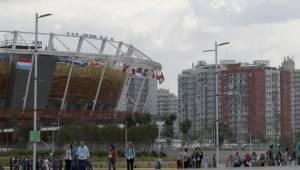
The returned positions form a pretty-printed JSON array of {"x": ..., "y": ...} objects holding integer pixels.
[{"x": 173, "y": 32}]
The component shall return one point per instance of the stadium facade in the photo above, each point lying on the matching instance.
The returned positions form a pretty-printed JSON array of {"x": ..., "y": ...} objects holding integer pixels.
[{"x": 77, "y": 74}]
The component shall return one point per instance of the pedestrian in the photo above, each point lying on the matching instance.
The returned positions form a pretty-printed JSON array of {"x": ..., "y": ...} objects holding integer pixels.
[
  {"x": 39, "y": 163},
  {"x": 55, "y": 163},
  {"x": 130, "y": 155},
  {"x": 60, "y": 167},
  {"x": 157, "y": 163},
  {"x": 229, "y": 161},
  {"x": 199, "y": 157},
  {"x": 237, "y": 161},
  {"x": 194, "y": 160},
  {"x": 179, "y": 159},
  {"x": 253, "y": 159},
  {"x": 262, "y": 160},
  {"x": 247, "y": 160},
  {"x": 186, "y": 158},
  {"x": 11, "y": 165},
  {"x": 214, "y": 160},
  {"x": 83, "y": 156},
  {"x": 24, "y": 163},
  {"x": 46, "y": 163},
  {"x": 293, "y": 158},
  {"x": 112, "y": 157},
  {"x": 270, "y": 156},
  {"x": 74, "y": 149},
  {"x": 205, "y": 162},
  {"x": 278, "y": 159},
  {"x": 68, "y": 157}
]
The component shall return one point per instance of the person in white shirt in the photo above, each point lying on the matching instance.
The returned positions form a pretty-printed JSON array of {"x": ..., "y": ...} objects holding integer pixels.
[
  {"x": 46, "y": 163},
  {"x": 68, "y": 157},
  {"x": 83, "y": 156}
]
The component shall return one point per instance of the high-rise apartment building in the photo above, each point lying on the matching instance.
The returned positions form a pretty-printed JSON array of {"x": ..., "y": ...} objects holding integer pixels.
[
  {"x": 166, "y": 102},
  {"x": 254, "y": 99},
  {"x": 292, "y": 81}
]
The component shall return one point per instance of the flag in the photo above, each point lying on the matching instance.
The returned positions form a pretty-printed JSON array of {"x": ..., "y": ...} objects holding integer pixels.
[
  {"x": 162, "y": 78},
  {"x": 132, "y": 72},
  {"x": 139, "y": 70},
  {"x": 125, "y": 67},
  {"x": 145, "y": 73},
  {"x": 153, "y": 74},
  {"x": 158, "y": 75},
  {"x": 24, "y": 63}
]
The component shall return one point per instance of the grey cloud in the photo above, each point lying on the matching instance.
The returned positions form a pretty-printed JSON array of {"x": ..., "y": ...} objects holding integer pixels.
[{"x": 251, "y": 11}]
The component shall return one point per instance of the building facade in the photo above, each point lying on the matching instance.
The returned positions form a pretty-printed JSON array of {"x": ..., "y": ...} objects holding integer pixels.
[
  {"x": 255, "y": 100},
  {"x": 166, "y": 103}
]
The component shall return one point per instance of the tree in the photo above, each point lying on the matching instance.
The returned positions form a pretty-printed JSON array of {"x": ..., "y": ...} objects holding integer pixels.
[
  {"x": 169, "y": 122},
  {"x": 22, "y": 132},
  {"x": 184, "y": 127},
  {"x": 225, "y": 133},
  {"x": 143, "y": 133},
  {"x": 137, "y": 118}
]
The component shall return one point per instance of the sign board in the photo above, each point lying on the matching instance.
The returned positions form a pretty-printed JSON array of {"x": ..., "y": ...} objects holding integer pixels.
[{"x": 35, "y": 136}]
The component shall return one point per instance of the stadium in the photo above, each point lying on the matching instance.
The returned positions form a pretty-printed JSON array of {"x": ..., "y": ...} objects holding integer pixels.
[{"x": 86, "y": 77}]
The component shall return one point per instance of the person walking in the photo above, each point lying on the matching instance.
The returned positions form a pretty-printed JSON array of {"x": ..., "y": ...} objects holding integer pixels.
[
  {"x": 179, "y": 159},
  {"x": 68, "y": 157},
  {"x": 74, "y": 149},
  {"x": 229, "y": 161},
  {"x": 130, "y": 155},
  {"x": 46, "y": 163},
  {"x": 214, "y": 161},
  {"x": 194, "y": 160},
  {"x": 262, "y": 160},
  {"x": 247, "y": 160},
  {"x": 237, "y": 161},
  {"x": 270, "y": 156},
  {"x": 83, "y": 156},
  {"x": 199, "y": 157},
  {"x": 186, "y": 159},
  {"x": 112, "y": 157},
  {"x": 253, "y": 159}
]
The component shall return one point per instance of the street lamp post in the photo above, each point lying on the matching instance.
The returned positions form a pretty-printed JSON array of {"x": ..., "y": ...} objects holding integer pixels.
[
  {"x": 217, "y": 97},
  {"x": 35, "y": 82}
]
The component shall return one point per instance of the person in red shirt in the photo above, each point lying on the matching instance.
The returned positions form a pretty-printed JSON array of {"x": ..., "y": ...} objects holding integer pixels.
[
  {"x": 247, "y": 160},
  {"x": 112, "y": 157}
]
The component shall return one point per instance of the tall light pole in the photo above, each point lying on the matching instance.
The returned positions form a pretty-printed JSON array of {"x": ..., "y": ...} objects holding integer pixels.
[
  {"x": 35, "y": 82},
  {"x": 217, "y": 97}
]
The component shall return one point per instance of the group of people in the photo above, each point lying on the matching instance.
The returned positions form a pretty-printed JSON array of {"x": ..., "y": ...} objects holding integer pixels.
[
  {"x": 42, "y": 163},
  {"x": 281, "y": 158},
  {"x": 195, "y": 160},
  {"x": 78, "y": 157}
]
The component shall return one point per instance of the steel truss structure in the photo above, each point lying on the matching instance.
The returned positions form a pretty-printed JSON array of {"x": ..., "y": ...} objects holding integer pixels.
[{"x": 72, "y": 46}]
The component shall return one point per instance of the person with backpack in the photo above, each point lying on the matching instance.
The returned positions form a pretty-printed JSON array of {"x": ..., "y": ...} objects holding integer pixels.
[
  {"x": 157, "y": 163},
  {"x": 112, "y": 157},
  {"x": 262, "y": 160},
  {"x": 237, "y": 160},
  {"x": 83, "y": 156},
  {"x": 130, "y": 155}
]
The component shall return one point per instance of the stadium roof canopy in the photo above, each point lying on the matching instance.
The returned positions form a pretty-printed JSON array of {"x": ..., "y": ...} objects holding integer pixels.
[{"x": 77, "y": 47}]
